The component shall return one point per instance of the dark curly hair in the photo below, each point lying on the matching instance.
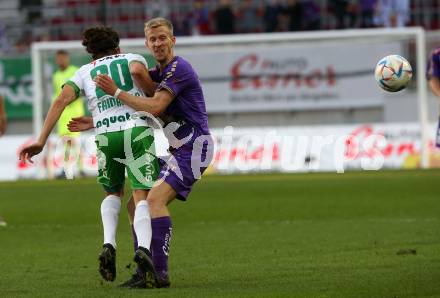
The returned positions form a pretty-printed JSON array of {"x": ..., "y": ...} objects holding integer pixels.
[{"x": 100, "y": 41}]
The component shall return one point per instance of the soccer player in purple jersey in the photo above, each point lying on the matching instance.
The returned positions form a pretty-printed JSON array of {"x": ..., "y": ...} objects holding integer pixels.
[
  {"x": 179, "y": 97},
  {"x": 433, "y": 76}
]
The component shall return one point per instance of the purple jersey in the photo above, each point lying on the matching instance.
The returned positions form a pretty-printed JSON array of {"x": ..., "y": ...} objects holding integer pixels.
[
  {"x": 186, "y": 162},
  {"x": 433, "y": 69},
  {"x": 188, "y": 105}
]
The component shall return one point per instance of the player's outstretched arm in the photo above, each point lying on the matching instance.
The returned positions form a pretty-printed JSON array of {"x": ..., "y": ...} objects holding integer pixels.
[
  {"x": 67, "y": 96},
  {"x": 155, "y": 105},
  {"x": 78, "y": 124}
]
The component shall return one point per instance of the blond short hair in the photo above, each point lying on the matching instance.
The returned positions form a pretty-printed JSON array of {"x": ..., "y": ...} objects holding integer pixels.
[{"x": 157, "y": 22}]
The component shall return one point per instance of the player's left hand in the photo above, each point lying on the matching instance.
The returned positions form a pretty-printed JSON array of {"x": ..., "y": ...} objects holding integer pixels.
[
  {"x": 106, "y": 83},
  {"x": 78, "y": 124}
]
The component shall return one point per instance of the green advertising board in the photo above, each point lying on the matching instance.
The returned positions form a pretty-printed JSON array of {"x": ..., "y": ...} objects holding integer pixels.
[
  {"x": 16, "y": 83},
  {"x": 16, "y": 87}
]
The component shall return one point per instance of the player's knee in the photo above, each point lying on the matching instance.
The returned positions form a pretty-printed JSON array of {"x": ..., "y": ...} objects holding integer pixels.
[
  {"x": 139, "y": 195},
  {"x": 155, "y": 203}
]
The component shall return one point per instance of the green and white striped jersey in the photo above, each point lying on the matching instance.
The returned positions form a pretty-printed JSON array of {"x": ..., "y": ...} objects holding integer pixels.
[{"x": 109, "y": 114}]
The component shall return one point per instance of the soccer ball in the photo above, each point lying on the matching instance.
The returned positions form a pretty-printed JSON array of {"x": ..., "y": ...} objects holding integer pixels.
[{"x": 393, "y": 73}]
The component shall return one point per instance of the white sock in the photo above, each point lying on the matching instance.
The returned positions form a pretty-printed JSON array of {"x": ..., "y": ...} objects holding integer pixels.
[
  {"x": 142, "y": 224},
  {"x": 110, "y": 207}
]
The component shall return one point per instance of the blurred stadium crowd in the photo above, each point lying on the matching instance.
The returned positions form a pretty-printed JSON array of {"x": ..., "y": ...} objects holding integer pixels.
[{"x": 24, "y": 21}]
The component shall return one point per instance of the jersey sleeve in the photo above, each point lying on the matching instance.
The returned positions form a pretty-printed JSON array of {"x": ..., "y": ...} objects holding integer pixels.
[
  {"x": 137, "y": 58},
  {"x": 178, "y": 78},
  {"x": 433, "y": 69},
  {"x": 76, "y": 83}
]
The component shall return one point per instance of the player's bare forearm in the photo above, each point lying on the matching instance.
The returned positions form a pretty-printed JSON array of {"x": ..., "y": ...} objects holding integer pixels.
[
  {"x": 434, "y": 83},
  {"x": 154, "y": 105},
  {"x": 52, "y": 117},
  {"x": 66, "y": 97}
]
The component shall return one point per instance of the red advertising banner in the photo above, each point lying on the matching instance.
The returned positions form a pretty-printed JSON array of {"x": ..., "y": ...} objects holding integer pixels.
[{"x": 259, "y": 149}]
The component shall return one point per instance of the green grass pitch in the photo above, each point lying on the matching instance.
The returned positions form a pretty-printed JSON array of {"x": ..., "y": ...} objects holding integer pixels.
[{"x": 364, "y": 234}]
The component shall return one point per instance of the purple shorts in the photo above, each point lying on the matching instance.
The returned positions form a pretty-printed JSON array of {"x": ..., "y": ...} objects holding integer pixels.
[{"x": 185, "y": 165}]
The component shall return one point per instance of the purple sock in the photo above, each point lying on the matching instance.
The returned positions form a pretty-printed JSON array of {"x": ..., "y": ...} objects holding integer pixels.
[{"x": 160, "y": 243}]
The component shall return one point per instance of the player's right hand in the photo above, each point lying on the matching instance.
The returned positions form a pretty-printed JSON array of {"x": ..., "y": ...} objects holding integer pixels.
[
  {"x": 78, "y": 124},
  {"x": 29, "y": 151},
  {"x": 106, "y": 83}
]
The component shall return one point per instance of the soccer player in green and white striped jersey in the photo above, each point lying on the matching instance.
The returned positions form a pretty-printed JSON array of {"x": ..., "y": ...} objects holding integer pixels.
[{"x": 124, "y": 142}]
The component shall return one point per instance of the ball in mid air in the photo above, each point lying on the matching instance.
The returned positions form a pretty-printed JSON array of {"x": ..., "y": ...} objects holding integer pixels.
[{"x": 393, "y": 73}]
